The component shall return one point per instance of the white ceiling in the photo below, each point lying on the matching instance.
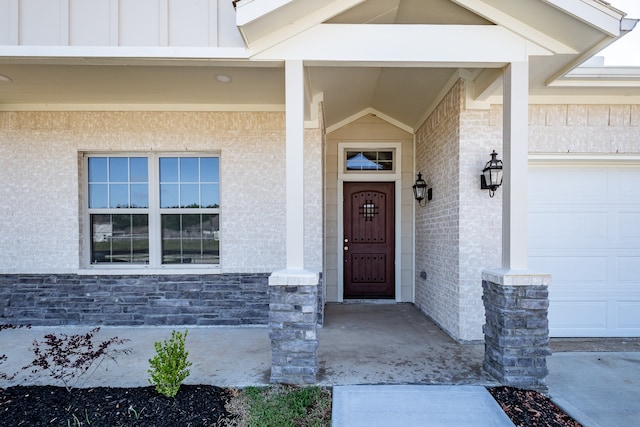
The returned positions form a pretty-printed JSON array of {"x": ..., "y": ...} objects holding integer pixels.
[{"x": 404, "y": 94}]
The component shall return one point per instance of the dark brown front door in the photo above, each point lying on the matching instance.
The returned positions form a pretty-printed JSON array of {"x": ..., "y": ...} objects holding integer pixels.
[{"x": 369, "y": 240}]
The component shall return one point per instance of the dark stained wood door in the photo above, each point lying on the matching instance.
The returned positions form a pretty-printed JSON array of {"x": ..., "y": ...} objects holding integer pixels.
[{"x": 369, "y": 240}]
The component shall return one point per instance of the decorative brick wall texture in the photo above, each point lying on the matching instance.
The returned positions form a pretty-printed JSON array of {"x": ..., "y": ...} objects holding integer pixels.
[
  {"x": 437, "y": 224},
  {"x": 221, "y": 299},
  {"x": 597, "y": 129},
  {"x": 42, "y": 191}
]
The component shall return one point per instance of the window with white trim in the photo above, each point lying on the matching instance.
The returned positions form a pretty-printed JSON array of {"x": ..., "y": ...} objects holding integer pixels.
[{"x": 156, "y": 210}]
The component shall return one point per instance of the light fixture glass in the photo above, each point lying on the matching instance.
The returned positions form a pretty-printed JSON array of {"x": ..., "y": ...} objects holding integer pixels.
[
  {"x": 420, "y": 191},
  {"x": 491, "y": 177}
]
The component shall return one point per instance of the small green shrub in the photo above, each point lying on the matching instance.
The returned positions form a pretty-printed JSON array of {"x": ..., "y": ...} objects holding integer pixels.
[{"x": 169, "y": 367}]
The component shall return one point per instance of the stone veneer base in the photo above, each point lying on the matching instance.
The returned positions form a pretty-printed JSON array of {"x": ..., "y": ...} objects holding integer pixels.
[
  {"x": 293, "y": 319},
  {"x": 135, "y": 300},
  {"x": 517, "y": 328}
]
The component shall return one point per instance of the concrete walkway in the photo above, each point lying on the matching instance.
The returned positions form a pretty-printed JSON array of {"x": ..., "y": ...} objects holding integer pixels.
[
  {"x": 416, "y": 406},
  {"x": 599, "y": 389}
]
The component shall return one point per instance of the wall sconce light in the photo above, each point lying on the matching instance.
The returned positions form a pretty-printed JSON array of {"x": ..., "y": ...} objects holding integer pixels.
[
  {"x": 420, "y": 191},
  {"x": 491, "y": 177}
]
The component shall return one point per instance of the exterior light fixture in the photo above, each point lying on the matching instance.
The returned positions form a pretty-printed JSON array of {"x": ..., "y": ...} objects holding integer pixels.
[
  {"x": 491, "y": 177},
  {"x": 420, "y": 191}
]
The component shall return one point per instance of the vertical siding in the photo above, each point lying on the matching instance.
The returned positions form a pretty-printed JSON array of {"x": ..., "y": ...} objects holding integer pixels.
[{"x": 179, "y": 23}]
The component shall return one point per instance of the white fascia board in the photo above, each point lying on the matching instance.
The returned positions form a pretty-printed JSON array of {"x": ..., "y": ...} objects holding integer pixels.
[
  {"x": 146, "y": 107},
  {"x": 606, "y": 72},
  {"x": 268, "y": 25},
  {"x": 143, "y": 52},
  {"x": 594, "y": 13},
  {"x": 500, "y": 18},
  {"x": 438, "y": 45},
  {"x": 250, "y": 10},
  {"x": 374, "y": 112},
  {"x": 595, "y": 82}
]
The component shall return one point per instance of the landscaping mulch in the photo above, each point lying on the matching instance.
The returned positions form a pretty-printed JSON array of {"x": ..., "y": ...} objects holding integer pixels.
[
  {"x": 527, "y": 408},
  {"x": 194, "y": 405},
  {"x": 197, "y": 405}
]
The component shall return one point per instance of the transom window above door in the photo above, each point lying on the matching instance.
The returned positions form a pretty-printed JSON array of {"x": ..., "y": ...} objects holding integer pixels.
[{"x": 369, "y": 160}]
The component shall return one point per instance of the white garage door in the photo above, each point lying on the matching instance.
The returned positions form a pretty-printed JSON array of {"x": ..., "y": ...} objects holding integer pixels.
[{"x": 584, "y": 229}]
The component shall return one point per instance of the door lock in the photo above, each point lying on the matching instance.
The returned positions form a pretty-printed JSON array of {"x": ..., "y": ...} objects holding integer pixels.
[{"x": 346, "y": 248}]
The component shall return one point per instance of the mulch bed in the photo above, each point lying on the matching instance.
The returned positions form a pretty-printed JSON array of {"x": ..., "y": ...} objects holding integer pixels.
[
  {"x": 194, "y": 405},
  {"x": 528, "y": 408},
  {"x": 197, "y": 405}
]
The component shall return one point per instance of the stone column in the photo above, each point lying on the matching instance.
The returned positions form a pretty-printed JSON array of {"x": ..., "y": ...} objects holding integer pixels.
[
  {"x": 293, "y": 320},
  {"x": 516, "y": 330}
]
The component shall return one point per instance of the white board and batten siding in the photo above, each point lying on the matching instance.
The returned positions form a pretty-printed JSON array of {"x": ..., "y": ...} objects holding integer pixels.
[{"x": 584, "y": 229}]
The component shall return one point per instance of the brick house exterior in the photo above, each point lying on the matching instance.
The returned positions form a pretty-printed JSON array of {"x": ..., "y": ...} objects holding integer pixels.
[{"x": 280, "y": 95}]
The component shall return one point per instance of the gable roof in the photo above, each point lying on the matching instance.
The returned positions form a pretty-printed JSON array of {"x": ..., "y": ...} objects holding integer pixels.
[{"x": 359, "y": 60}]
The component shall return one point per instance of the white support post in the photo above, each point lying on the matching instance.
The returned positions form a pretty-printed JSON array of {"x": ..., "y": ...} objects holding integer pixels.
[
  {"x": 294, "y": 81},
  {"x": 515, "y": 159}
]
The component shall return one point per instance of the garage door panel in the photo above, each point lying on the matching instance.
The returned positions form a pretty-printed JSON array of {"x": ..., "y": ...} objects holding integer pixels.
[
  {"x": 628, "y": 315},
  {"x": 628, "y": 269},
  {"x": 570, "y": 228},
  {"x": 578, "y": 314},
  {"x": 629, "y": 225},
  {"x": 584, "y": 229},
  {"x": 627, "y": 185},
  {"x": 551, "y": 184},
  {"x": 571, "y": 270}
]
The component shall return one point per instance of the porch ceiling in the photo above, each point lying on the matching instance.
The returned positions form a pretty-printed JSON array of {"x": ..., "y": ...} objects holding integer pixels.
[{"x": 404, "y": 94}]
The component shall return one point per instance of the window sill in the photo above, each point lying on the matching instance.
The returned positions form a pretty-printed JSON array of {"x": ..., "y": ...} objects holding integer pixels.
[{"x": 120, "y": 271}]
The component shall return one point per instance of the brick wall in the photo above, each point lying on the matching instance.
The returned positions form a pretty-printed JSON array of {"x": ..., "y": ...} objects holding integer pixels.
[{"x": 42, "y": 188}]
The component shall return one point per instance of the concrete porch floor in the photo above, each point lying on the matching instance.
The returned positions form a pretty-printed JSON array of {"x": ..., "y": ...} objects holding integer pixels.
[
  {"x": 359, "y": 344},
  {"x": 393, "y": 344}
]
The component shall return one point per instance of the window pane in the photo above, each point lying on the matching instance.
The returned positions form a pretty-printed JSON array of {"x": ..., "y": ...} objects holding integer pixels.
[
  {"x": 210, "y": 244},
  {"x": 169, "y": 196},
  {"x": 190, "y": 239},
  {"x": 189, "y": 170},
  {"x": 168, "y": 169},
  {"x": 189, "y": 197},
  {"x": 210, "y": 195},
  {"x": 118, "y": 169},
  {"x": 98, "y": 196},
  {"x": 209, "y": 169},
  {"x": 118, "y": 196},
  {"x": 369, "y": 160},
  {"x": 119, "y": 238},
  {"x": 97, "y": 169},
  {"x": 138, "y": 168},
  {"x": 139, "y": 196},
  {"x": 171, "y": 242}
]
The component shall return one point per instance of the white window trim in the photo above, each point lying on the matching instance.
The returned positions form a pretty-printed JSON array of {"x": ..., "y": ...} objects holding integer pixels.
[
  {"x": 154, "y": 212},
  {"x": 353, "y": 175}
]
